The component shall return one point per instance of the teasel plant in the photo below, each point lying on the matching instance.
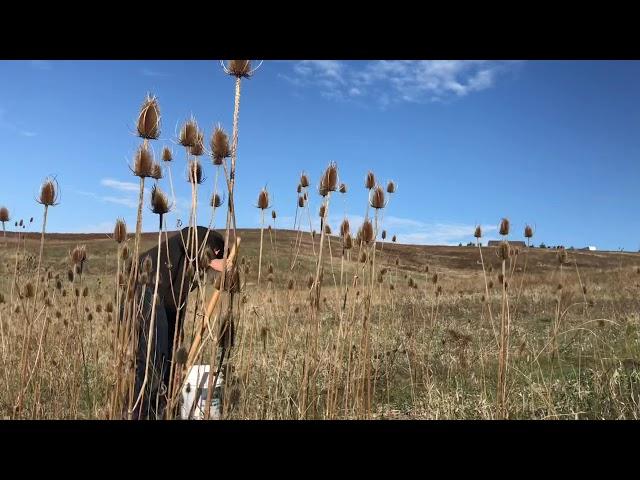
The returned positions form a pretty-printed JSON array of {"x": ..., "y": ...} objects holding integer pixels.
[
  {"x": 504, "y": 253},
  {"x": 159, "y": 206},
  {"x": 4, "y": 217},
  {"x": 477, "y": 234},
  {"x": 263, "y": 204},
  {"x": 528, "y": 234}
]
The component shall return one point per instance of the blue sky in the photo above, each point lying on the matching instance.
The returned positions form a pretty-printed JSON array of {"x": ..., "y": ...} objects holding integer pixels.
[{"x": 555, "y": 144}]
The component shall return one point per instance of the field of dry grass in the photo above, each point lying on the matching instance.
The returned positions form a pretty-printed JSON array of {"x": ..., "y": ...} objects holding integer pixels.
[{"x": 433, "y": 355}]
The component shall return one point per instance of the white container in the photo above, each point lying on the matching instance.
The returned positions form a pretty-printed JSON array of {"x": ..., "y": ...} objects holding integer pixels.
[{"x": 195, "y": 391}]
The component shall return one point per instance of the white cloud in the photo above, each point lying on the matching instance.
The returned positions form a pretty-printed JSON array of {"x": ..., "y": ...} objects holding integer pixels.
[
  {"x": 386, "y": 82},
  {"x": 101, "y": 227},
  {"x": 118, "y": 185},
  {"x": 26, "y": 133}
]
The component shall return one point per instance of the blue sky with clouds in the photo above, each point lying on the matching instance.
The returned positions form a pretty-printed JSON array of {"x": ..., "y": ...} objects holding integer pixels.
[{"x": 554, "y": 144}]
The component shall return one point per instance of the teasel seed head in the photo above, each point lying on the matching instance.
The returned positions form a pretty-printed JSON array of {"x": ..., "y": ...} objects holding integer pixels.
[
  {"x": 156, "y": 171},
  {"x": 159, "y": 201},
  {"x": 376, "y": 197},
  {"x": 345, "y": 227},
  {"x": 124, "y": 253},
  {"x": 504, "y": 250},
  {"x": 367, "y": 232},
  {"x": 188, "y": 135},
  {"x": 370, "y": 181},
  {"x": 70, "y": 275},
  {"x": 77, "y": 292},
  {"x": 48, "y": 193},
  {"x": 219, "y": 145},
  {"x": 478, "y": 232},
  {"x": 4, "y": 214},
  {"x": 393, "y": 239},
  {"x": 528, "y": 231},
  {"x": 327, "y": 229},
  {"x": 29, "y": 290},
  {"x": 504, "y": 227},
  {"x": 273, "y": 214},
  {"x": 58, "y": 285},
  {"x": 426, "y": 269},
  {"x": 144, "y": 278},
  {"x": 167, "y": 156},
  {"x": 197, "y": 149},
  {"x": 439, "y": 290},
  {"x": 290, "y": 284},
  {"x": 147, "y": 264},
  {"x": 85, "y": 292},
  {"x": 216, "y": 201},
  {"x": 143, "y": 162},
  {"x": 343, "y": 188},
  {"x": 300, "y": 202},
  {"x": 109, "y": 308},
  {"x": 363, "y": 257},
  {"x": 384, "y": 234},
  {"x": 562, "y": 256},
  {"x": 329, "y": 180},
  {"x": 304, "y": 180},
  {"x": 391, "y": 187},
  {"x": 263, "y": 199},
  {"x": 299, "y": 189},
  {"x": 148, "y": 125},
  {"x": 194, "y": 172},
  {"x": 322, "y": 211},
  {"x": 239, "y": 68},
  {"x": 347, "y": 242},
  {"x": 78, "y": 255},
  {"x": 120, "y": 231},
  {"x": 310, "y": 281},
  {"x": 434, "y": 279}
]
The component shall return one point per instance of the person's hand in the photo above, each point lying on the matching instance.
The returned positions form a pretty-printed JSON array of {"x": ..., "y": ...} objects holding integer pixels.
[{"x": 218, "y": 265}]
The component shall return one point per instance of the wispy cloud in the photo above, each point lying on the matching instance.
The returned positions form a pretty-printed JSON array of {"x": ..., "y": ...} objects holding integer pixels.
[
  {"x": 387, "y": 82},
  {"x": 11, "y": 126},
  {"x": 41, "y": 64},
  {"x": 147, "y": 72},
  {"x": 101, "y": 227},
  {"x": 118, "y": 185}
]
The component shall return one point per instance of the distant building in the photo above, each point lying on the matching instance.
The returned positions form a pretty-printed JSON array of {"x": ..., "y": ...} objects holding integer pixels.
[
  {"x": 515, "y": 243},
  {"x": 590, "y": 248}
]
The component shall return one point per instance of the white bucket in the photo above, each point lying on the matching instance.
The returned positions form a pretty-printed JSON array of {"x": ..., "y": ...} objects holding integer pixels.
[{"x": 195, "y": 391}]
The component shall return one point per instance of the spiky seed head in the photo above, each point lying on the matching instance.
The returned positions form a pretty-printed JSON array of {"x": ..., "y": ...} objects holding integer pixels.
[
  {"x": 4, "y": 214},
  {"x": 410, "y": 282},
  {"x": 384, "y": 234},
  {"x": 367, "y": 231},
  {"x": 304, "y": 180},
  {"x": 144, "y": 278},
  {"x": 31, "y": 220},
  {"x": 562, "y": 256},
  {"x": 181, "y": 356},
  {"x": 370, "y": 181},
  {"x": 439, "y": 290},
  {"x": 299, "y": 189},
  {"x": 194, "y": 172},
  {"x": 120, "y": 231},
  {"x": 58, "y": 285},
  {"x": 327, "y": 229},
  {"x": 528, "y": 231},
  {"x": 490, "y": 284},
  {"x": 270, "y": 268},
  {"x": 263, "y": 199},
  {"x": 343, "y": 188},
  {"x": 322, "y": 211},
  {"x": 188, "y": 136},
  {"x": 70, "y": 275},
  {"x": 156, "y": 171},
  {"x": 434, "y": 279},
  {"x": 391, "y": 187},
  {"x": 29, "y": 290},
  {"x": 500, "y": 278},
  {"x": 376, "y": 197},
  {"x": 478, "y": 232},
  {"x": 48, "y": 193},
  {"x": 197, "y": 149},
  {"x": 345, "y": 228},
  {"x": 219, "y": 146},
  {"x": 273, "y": 214},
  {"x": 143, "y": 162},
  {"x": 329, "y": 181},
  {"x": 147, "y": 264},
  {"x": 108, "y": 307},
  {"x": 584, "y": 289},
  {"x": 148, "y": 125},
  {"x": 504, "y": 250},
  {"x": 85, "y": 292},
  {"x": 77, "y": 292},
  {"x": 310, "y": 281},
  {"x": 348, "y": 242},
  {"x": 393, "y": 239},
  {"x": 167, "y": 156},
  {"x": 504, "y": 227},
  {"x": 426, "y": 269},
  {"x": 159, "y": 201},
  {"x": 239, "y": 68},
  {"x": 300, "y": 202},
  {"x": 124, "y": 253},
  {"x": 216, "y": 201},
  {"x": 78, "y": 255},
  {"x": 363, "y": 257}
]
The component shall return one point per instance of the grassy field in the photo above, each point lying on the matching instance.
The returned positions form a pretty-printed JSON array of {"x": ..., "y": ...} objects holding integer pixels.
[{"x": 431, "y": 341}]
